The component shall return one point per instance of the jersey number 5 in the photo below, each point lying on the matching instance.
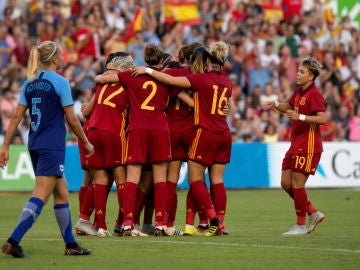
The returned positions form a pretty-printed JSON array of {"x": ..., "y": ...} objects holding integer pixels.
[{"x": 35, "y": 110}]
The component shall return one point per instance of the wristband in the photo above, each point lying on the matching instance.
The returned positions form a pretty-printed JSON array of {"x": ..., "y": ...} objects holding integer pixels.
[
  {"x": 149, "y": 70},
  {"x": 302, "y": 117},
  {"x": 276, "y": 104}
]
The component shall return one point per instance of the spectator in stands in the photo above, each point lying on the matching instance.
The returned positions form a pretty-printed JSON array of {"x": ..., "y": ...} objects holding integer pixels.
[
  {"x": 288, "y": 64},
  {"x": 258, "y": 75},
  {"x": 329, "y": 128},
  {"x": 8, "y": 105},
  {"x": 5, "y": 49},
  {"x": 84, "y": 75},
  {"x": 354, "y": 125}
]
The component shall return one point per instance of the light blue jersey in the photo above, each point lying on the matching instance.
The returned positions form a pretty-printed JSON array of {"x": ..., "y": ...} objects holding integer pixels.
[{"x": 45, "y": 97}]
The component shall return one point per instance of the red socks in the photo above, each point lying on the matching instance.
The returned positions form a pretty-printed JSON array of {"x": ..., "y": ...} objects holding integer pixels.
[
  {"x": 219, "y": 199},
  {"x": 160, "y": 203},
  {"x": 100, "y": 200},
  {"x": 203, "y": 198},
  {"x": 82, "y": 193},
  {"x": 301, "y": 202},
  {"x": 310, "y": 207},
  {"x": 171, "y": 194},
  {"x": 191, "y": 208},
  {"x": 129, "y": 203},
  {"x": 87, "y": 206}
]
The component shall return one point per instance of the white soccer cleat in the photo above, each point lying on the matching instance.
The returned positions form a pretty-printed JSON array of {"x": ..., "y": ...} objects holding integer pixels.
[
  {"x": 296, "y": 229},
  {"x": 314, "y": 220},
  {"x": 136, "y": 232},
  {"x": 103, "y": 233},
  {"x": 172, "y": 231},
  {"x": 84, "y": 226}
]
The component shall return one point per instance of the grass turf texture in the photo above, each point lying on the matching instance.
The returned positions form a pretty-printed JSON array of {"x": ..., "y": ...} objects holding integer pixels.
[{"x": 255, "y": 219}]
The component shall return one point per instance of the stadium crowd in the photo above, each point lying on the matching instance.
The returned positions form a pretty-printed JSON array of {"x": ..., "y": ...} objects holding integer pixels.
[{"x": 264, "y": 55}]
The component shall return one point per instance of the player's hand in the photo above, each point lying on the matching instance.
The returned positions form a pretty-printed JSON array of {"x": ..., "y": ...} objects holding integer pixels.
[
  {"x": 138, "y": 71},
  {"x": 268, "y": 105},
  {"x": 292, "y": 115},
  {"x": 227, "y": 108},
  {"x": 90, "y": 149},
  {"x": 4, "y": 157}
]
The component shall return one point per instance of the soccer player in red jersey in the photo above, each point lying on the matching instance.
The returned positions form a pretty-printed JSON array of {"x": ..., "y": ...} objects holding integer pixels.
[
  {"x": 106, "y": 130},
  {"x": 148, "y": 137},
  {"x": 211, "y": 144},
  {"x": 306, "y": 110},
  {"x": 180, "y": 117}
]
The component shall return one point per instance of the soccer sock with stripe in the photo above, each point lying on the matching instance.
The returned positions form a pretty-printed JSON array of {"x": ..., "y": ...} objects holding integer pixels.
[
  {"x": 28, "y": 216},
  {"x": 63, "y": 219}
]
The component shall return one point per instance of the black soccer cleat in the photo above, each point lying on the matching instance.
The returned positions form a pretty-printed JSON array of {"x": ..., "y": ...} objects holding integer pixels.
[
  {"x": 13, "y": 250},
  {"x": 76, "y": 250}
]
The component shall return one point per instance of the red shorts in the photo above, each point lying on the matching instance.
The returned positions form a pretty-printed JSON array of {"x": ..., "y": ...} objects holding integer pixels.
[
  {"x": 210, "y": 148},
  {"x": 180, "y": 143},
  {"x": 301, "y": 162},
  {"x": 109, "y": 149},
  {"x": 148, "y": 146}
]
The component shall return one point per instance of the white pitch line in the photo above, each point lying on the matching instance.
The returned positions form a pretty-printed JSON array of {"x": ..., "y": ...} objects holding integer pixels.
[{"x": 121, "y": 239}]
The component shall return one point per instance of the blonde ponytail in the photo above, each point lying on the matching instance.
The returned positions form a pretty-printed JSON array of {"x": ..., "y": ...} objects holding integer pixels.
[
  {"x": 40, "y": 57},
  {"x": 33, "y": 63}
]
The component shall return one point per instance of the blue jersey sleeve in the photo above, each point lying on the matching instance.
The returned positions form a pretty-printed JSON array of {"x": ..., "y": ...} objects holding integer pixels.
[
  {"x": 22, "y": 99},
  {"x": 62, "y": 88}
]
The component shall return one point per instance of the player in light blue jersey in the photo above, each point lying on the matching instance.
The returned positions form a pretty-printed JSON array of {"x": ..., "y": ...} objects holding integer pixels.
[{"x": 47, "y": 95}]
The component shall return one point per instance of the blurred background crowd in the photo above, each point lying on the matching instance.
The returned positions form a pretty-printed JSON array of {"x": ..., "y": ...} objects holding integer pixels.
[{"x": 267, "y": 38}]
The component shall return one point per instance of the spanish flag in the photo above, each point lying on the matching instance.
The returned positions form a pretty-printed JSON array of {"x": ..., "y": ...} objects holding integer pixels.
[
  {"x": 184, "y": 11},
  {"x": 135, "y": 26},
  {"x": 274, "y": 14}
]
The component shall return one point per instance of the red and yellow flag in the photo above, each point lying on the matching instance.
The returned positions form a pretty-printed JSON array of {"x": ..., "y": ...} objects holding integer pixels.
[
  {"x": 135, "y": 26},
  {"x": 184, "y": 11}
]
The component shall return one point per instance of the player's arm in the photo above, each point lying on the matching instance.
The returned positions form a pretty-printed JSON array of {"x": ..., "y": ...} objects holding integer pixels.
[
  {"x": 74, "y": 124},
  {"x": 186, "y": 98},
  {"x": 87, "y": 109},
  {"x": 181, "y": 82},
  {"x": 319, "y": 118},
  {"x": 14, "y": 122},
  {"x": 107, "y": 78},
  {"x": 280, "y": 106}
]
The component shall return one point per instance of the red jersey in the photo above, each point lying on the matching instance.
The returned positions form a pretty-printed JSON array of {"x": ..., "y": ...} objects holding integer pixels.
[
  {"x": 179, "y": 115},
  {"x": 148, "y": 101},
  {"x": 90, "y": 47},
  {"x": 305, "y": 137},
  {"x": 211, "y": 94},
  {"x": 110, "y": 108}
]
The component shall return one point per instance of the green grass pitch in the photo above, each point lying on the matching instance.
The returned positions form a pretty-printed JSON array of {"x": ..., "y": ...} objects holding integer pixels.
[{"x": 255, "y": 219}]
